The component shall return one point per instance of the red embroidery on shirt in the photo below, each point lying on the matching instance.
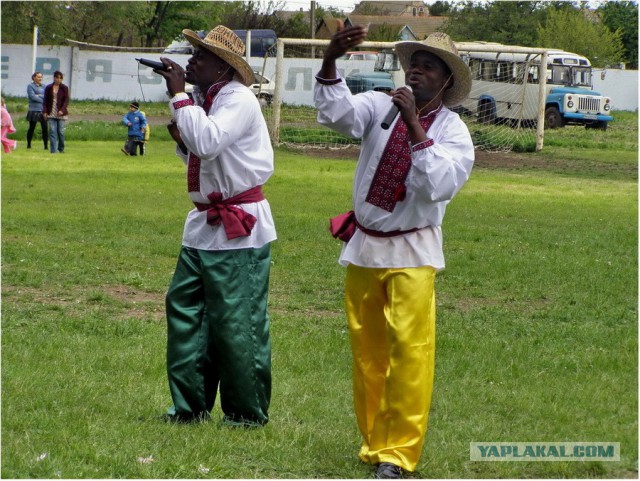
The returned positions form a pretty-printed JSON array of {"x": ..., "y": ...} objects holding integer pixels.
[
  {"x": 193, "y": 167},
  {"x": 178, "y": 104},
  {"x": 193, "y": 173},
  {"x": 388, "y": 184}
]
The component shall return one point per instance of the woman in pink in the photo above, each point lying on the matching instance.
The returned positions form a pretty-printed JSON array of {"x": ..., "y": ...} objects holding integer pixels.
[{"x": 7, "y": 128}]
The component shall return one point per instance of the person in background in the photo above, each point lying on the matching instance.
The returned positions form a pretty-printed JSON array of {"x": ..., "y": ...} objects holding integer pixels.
[
  {"x": 56, "y": 101},
  {"x": 35, "y": 94},
  {"x": 7, "y": 128},
  {"x": 217, "y": 317},
  {"x": 147, "y": 133},
  {"x": 404, "y": 179},
  {"x": 136, "y": 123}
]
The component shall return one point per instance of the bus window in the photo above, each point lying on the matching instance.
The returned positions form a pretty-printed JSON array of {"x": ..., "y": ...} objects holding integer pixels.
[
  {"x": 488, "y": 70},
  {"x": 518, "y": 72},
  {"x": 475, "y": 66},
  {"x": 503, "y": 72}
]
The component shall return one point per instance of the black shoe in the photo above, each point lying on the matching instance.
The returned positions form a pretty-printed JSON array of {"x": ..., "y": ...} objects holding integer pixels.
[
  {"x": 184, "y": 419},
  {"x": 388, "y": 471}
]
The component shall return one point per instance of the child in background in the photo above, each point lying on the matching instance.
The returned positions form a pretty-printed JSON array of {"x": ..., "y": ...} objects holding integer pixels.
[
  {"x": 137, "y": 123},
  {"x": 7, "y": 128},
  {"x": 147, "y": 132}
]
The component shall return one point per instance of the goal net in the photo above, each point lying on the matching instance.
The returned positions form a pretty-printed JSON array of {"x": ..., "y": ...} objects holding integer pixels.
[{"x": 503, "y": 111}]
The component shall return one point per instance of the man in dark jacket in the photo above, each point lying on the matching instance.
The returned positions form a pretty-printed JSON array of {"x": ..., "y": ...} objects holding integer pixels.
[{"x": 56, "y": 100}]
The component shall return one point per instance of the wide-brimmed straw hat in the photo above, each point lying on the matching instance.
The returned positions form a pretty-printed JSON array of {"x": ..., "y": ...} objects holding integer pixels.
[
  {"x": 441, "y": 45},
  {"x": 227, "y": 45}
]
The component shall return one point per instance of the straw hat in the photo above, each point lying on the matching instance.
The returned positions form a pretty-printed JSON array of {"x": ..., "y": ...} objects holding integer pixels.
[
  {"x": 227, "y": 45},
  {"x": 441, "y": 45}
]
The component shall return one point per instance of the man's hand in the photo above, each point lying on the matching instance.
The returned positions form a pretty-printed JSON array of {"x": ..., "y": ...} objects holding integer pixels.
[
  {"x": 172, "y": 127},
  {"x": 342, "y": 41},
  {"x": 405, "y": 101},
  {"x": 173, "y": 75}
]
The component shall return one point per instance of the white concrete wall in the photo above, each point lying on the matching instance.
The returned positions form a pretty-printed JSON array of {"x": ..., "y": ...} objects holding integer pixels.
[
  {"x": 620, "y": 85},
  {"x": 117, "y": 76}
]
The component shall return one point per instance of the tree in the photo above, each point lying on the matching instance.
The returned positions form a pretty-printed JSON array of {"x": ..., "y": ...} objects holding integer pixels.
[
  {"x": 131, "y": 23},
  {"x": 571, "y": 30},
  {"x": 440, "y": 8},
  {"x": 623, "y": 16},
  {"x": 384, "y": 33},
  {"x": 511, "y": 23}
]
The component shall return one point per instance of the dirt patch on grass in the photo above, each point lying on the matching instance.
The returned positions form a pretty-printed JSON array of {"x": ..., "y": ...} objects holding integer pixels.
[
  {"x": 124, "y": 301},
  {"x": 511, "y": 161}
]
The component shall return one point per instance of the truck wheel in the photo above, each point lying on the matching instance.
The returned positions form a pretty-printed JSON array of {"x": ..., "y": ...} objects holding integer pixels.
[
  {"x": 485, "y": 113},
  {"x": 552, "y": 118},
  {"x": 600, "y": 125}
]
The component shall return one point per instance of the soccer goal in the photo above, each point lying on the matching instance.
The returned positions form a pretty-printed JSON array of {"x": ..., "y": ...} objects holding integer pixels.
[{"x": 504, "y": 111}]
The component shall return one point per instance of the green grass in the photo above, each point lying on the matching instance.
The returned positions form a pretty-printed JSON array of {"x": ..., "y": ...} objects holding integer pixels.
[
  {"x": 537, "y": 320},
  {"x": 19, "y": 105}
]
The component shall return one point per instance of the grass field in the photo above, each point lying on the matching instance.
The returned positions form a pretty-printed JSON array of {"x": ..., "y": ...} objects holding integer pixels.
[{"x": 537, "y": 317}]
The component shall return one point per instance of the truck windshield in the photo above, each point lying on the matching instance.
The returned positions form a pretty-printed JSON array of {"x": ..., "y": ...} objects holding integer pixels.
[
  {"x": 581, "y": 76},
  {"x": 570, "y": 76}
]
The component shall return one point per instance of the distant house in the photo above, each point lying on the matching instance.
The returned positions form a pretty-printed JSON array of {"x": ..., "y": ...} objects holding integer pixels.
[
  {"x": 408, "y": 28},
  {"x": 402, "y": 28},
  {"x": 392, "y": 9}
]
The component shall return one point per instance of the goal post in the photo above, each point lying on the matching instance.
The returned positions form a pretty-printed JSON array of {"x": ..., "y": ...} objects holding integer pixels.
[{"x": 508, "y": 116}]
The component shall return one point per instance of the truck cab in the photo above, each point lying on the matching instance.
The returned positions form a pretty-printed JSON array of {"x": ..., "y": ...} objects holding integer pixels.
[{"x": 571, "y": 99}]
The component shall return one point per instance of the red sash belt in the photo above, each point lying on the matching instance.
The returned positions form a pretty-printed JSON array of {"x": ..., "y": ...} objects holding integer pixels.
[
  {"x": 236, "y": 222},
  {"x": 344, "y": 226}
]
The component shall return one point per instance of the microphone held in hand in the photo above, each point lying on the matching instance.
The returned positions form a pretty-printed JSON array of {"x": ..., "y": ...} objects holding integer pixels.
[
  {"x": 392, "y": 114},
  {"x": 152, "y": 63}
]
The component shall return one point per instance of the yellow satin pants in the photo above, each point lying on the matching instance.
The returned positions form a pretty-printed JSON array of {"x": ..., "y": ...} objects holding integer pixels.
[{"x": 391, "y": 315}]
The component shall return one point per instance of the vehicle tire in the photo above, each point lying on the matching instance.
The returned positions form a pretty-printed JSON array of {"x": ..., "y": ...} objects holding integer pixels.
[
  {"x": 264, "y": 100},
  {"x": 486, "y": 115},
  {"x": 600, "y": 125},
  {"x": 552, "y": 118}
]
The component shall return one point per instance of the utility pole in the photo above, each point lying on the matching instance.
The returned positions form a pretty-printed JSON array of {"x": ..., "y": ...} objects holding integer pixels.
[
  {"x": 34, "y": 50},
  {"x": 312, "y": 14}
]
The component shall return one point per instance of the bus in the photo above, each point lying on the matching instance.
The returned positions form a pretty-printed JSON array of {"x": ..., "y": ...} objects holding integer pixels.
[
  {"x": 505, "y": 89},
  {"x": 261, "y": 45}
]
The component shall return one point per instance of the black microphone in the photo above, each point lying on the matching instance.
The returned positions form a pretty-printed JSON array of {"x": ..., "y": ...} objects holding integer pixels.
[
  {"x": 151, "y": 63},
  {"x": 392, "y": 114}
]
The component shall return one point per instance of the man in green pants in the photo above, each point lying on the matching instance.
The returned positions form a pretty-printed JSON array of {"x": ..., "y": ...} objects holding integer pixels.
[{"x": 218, "y": 326}]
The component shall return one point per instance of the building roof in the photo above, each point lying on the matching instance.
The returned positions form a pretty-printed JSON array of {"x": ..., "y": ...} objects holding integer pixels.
[
  {"x": 390, "y": 8},
  {"x": 420, "y": 26}
]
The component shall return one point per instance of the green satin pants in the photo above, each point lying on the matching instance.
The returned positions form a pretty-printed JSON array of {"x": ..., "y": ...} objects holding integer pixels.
[{"x": 218, "y": 334}]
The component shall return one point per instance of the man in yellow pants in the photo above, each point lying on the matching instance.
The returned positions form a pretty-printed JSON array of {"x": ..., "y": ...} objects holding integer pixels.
[{"x": 407, "y": 173}]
